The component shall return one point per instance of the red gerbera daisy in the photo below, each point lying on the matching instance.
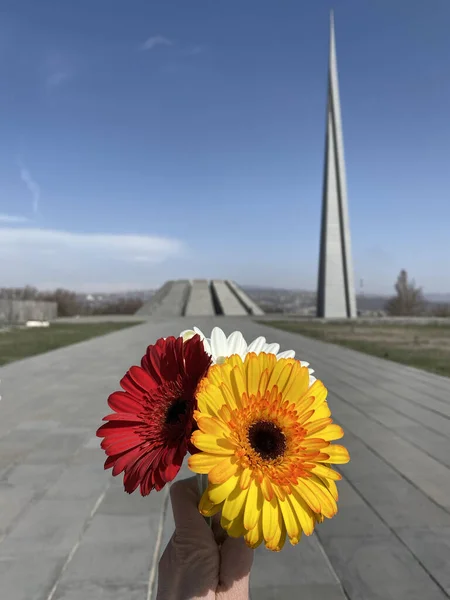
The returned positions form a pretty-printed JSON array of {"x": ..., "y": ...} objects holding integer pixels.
[{"x": 148, "y": 435}]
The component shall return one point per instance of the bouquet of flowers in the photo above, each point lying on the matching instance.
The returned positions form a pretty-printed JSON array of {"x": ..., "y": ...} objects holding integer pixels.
[{"x": 255, "y": 422}]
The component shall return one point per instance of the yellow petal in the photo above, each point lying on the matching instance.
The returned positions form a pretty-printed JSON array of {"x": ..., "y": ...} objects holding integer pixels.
[
  {"x": 209, "y": 399},
  {"x": 263, "y": 381},
  {"x": 253, "y": 505},
  {"x": 238, "y": 386},
  {"x": 331, "y": 487},
  {"x": 302, "y": 511},
  {"x": 290, "y": 520},
  {"x": 281, "y": 374},
  {"x": 206, "y": 507},
  {"x": 253, "y": 371},
  {"x": 228, "y": 397},
  {"x": 306, "y": 493},
  {"x": 297, "y": 385},
  {"x": 223, "y": 470},
  {"x": 245, "y": 478},
  {"x": 235, "y": 361},
  {"x": 325, "y": 472},
  {"x": 277, "y": 543},
  {"x": 202, "y": 462},
  {"x": 315, "y": 426},
  {"x": 271, "y": 519},
  {"x": 219, "y": 492},
  {"x": 234, "y": 503},
  {"x": 328, "y": 505},
  {"x": 255, "y": 536},
  {"x": 322, "y": 411},
  {"x": 330, "y": 433},
  {"x": 338, "y": 455},
  {"x": 234, "y": 528},
  {"x": 266, "y": 488},
  {"x": 213, "y": 426},
  {"x": 212, "y": 444},
  {"x": 319, "y": 391}
]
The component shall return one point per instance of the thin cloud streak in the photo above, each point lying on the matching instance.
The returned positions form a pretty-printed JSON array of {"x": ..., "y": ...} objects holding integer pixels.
[
  {"x": 31, "y": 255},
  {"x": 153, "y": 248},
  {"x": 33, "y": 187},
  {"x": 12, "y": 219},
  {"x": 156, "y": 40}
]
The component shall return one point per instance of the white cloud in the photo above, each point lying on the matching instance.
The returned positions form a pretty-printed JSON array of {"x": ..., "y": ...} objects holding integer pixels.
[
  {"x": 32, "y": 185},
  {"x": 34, "y": 256},
  {"x": 12, "y": 219},
  {"x": 156, "y": 40}
]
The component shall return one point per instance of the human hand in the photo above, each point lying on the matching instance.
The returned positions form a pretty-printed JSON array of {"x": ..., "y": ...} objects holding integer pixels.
[{"x": 200, "y": 562}]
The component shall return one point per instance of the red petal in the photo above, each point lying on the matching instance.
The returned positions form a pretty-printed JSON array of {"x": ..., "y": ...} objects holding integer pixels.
[{"x": 123, "y": 402}]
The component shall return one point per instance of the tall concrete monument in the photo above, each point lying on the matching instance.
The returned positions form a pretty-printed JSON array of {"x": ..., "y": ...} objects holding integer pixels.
[{"x": 336, "y": 293}]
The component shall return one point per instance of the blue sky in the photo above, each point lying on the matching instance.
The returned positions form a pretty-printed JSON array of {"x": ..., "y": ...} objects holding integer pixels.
[{"x": 142, "y": 141}]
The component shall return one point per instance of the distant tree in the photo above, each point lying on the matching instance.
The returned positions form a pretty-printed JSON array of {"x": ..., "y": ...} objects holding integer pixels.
[
  {"x": 120, "y": 306},
  {"x": 409, "y": 300},
  {"x": 440, "y": 310},
  {"x": 68, "y": 305}
]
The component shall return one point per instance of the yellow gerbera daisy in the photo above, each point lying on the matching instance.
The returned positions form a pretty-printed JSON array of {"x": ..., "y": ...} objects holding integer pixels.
[{"x": 264, "y": 439}]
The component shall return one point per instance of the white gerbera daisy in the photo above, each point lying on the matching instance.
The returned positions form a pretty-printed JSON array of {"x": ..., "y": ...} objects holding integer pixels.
[{"x": 219, "y": 346}]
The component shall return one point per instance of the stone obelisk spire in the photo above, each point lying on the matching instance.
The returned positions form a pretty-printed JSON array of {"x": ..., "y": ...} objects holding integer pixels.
[{"x": 336, "y": 293}]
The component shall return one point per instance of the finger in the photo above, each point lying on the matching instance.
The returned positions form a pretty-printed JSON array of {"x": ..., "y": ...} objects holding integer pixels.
[
  {"x": 184, "y": 497},
  {"x": 235, "y": 565}
]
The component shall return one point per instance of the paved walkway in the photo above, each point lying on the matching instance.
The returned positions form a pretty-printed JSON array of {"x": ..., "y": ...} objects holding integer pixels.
[{"x": 69, "y": 532}]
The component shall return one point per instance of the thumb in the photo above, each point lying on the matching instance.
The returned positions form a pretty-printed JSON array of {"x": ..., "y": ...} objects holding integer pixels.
[{"x": 184, "y": 496}]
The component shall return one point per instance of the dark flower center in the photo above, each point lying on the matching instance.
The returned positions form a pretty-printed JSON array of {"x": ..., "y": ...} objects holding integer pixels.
[
  {"x": 267, "y": 439},
  {"x": 175, "y": 411}
]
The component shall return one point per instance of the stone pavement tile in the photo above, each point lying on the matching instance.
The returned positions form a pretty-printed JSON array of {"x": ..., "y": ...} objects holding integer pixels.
[
  {"x": 398, "y": 502},
  {"x": 38, "y": 425},
  {"x": 115, "y": 550},
  {"x": 431, "y": 442},
  {"x": 118, "y": 502},
  {"x": 51, "y": 526},
  {"x": 304, "y": 564},
  {"x": 432, "y": 477},
  {"x": 37, "y": 477},
  {"x": 56, "y": 446},
  {"x": 362, "y": 460},
  {"x": 357, "y": 391},
  {"x": 380, "y": 568},
  {"x": 431, "y": 545},
  {"x": 314, "y": 591},
  {"x": 78, "y": 482},
  {"x": 13, "y": 500},
  {"x": 105, "y": 591},
  {"x": 29, "y": 576},
  {"x": 16, "y": 445},
  {"x": 354, "y": 517}
]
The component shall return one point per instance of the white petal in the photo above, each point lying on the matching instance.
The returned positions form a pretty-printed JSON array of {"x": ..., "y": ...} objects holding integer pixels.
[
  {"x": 312, "y": 379},
  {"x": 286, "y": 354},
  {"x": 271, "y": 348},
  {"x": 304, "y": 364},
  {"x": 236, "y": 344},
  {"x": 207, "y": 346},
  {"x": 200, "y": 333},
  {"x": 257, "y": 345},
  {"x": 219, "y": 344},
  {"x": 187, "y": 334}
]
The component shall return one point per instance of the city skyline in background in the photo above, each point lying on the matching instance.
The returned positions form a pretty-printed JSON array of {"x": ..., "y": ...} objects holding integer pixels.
[{"x": 176, "y": 141}]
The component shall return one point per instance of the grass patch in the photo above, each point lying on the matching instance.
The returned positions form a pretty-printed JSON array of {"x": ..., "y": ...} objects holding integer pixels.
[
  {"x": 22, "y": 343},
  {"x": 422, "y": 346}
]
